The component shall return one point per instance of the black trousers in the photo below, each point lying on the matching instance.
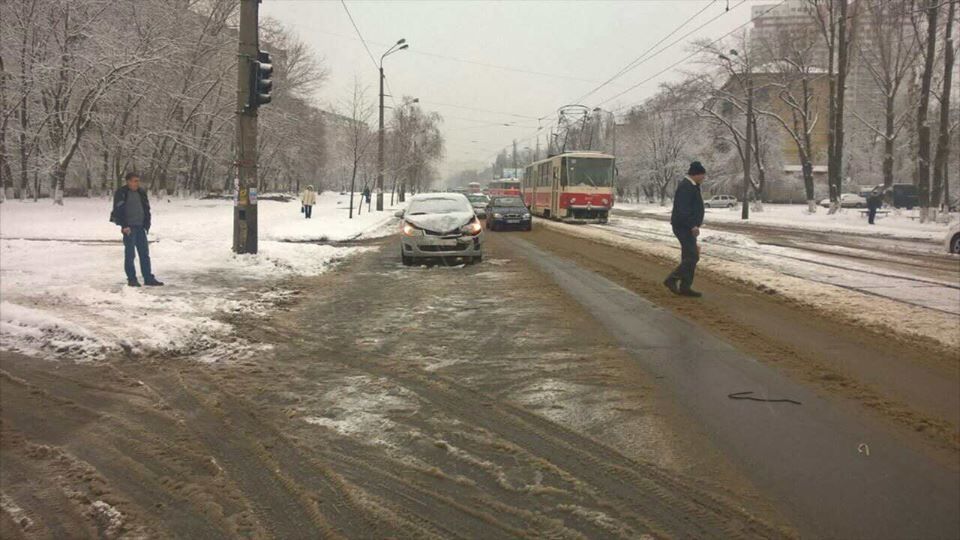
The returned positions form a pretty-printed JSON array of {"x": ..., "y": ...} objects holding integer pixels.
[
  {"x": 871, "y": 214},
  {"x": 308, "y": 210},
  {"x": 688, "y": 257}
]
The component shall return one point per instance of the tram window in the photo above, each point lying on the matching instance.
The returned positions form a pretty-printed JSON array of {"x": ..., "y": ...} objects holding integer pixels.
[{"x": 591, "y": 172}]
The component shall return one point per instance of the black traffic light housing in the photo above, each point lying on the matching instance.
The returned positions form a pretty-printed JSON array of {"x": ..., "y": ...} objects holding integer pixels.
[{"x": 261, "y": 83}]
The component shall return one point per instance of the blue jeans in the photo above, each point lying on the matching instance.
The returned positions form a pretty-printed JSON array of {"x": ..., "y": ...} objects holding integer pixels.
[{"x": 136, "y": 240}]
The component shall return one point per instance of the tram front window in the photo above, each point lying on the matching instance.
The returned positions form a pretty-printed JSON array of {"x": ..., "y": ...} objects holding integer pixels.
[{"x": 590, "y": 172}]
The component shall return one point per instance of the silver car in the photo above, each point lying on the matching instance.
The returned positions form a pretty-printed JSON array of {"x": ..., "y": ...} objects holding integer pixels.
[
  {"x": 479, "y": 202},
  {"x": 440, "y": 225}
]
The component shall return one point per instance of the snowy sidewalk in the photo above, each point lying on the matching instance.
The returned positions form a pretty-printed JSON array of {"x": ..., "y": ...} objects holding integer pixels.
[
  {"x": 64, "y": 292},
  {"x": 898, "y": 224}
]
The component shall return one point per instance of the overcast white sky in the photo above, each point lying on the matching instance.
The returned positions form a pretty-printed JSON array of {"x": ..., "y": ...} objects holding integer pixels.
[{"x": 556, "y": 51}]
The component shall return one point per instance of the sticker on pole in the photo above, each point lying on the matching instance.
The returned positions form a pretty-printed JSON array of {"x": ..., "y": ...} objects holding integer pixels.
[
  {"x": 252, "y": 195},
  {"x": 236, "y": 190}
]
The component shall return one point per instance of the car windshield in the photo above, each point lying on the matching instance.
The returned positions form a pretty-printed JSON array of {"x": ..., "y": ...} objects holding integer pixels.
[
  {"x": 507, "y": 202},
  {"x": 590, "y": 172},
  {"x": 478, "y": 198},
  {"x": 437, "y": 205}
]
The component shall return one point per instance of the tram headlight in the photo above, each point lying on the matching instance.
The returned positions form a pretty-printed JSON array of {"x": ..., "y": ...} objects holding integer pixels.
[{"x": 410, "y": 229}]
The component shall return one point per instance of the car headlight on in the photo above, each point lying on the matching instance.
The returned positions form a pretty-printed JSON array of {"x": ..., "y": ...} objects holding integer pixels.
[
  {"x": 473, "y": 228},
  {"x": 410, "y": 229},
  {"x": 498, "y": 215},
  {"x": 526, "y": 216}
]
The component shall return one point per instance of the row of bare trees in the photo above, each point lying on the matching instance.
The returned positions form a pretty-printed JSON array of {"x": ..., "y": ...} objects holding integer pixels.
[
  {"x": 413, "y": 144},
  {"x": 860, "y": 92},
  {"x": 90, "y": 89}
]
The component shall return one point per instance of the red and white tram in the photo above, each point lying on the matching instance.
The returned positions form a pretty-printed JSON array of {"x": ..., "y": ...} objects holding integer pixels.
[
  {"x": 506, "y": 186},
  {"x": 573, "y": 186}
]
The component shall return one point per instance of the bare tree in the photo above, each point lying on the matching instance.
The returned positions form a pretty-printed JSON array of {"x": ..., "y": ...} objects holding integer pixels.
[
  {"x": 943, "y": 138},
  {"x": 932, "y": 9},
  {"x": 837, "y": 27},
  {"x": 888, "y": 51},
  {"x": 358, "y": 137}
]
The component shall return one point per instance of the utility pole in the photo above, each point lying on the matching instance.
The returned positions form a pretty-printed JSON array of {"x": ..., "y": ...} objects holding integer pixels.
[
  {"x": 398, "y": 46},
  {"x": 245, "y": 206},
  {"x": 748, "y": 151},
  {"x": 380, "y": 147}
]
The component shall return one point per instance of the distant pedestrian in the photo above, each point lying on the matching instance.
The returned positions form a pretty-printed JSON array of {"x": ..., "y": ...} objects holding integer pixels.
[
  {"x": 874, "y": 202},
  {"x": 131, "y": 211},
  {"x": 366, "y": 195},
  {"x": 308, "y": 198},
  {"x": 686, "y": 219}
]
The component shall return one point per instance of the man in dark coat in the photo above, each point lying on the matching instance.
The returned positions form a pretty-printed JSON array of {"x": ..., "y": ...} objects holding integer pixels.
[
  {"x": 874, "y": 202},
  {"x": 131, "y": 212},
  {"x": 686, "y": 219}
]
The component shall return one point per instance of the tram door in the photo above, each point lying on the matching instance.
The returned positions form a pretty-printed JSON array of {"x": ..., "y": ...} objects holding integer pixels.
[{"x": 555, "y": 192}]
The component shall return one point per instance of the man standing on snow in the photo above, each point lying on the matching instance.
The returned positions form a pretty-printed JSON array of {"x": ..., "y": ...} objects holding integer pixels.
[
  {"x": 686, "y": 219},
  {"x": 131, "y": 211},
  {"x": 308, "y": 198},
  {"x": 874, "y": 202}
]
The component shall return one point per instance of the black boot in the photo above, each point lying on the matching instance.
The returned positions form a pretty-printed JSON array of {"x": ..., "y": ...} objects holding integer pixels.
[
  {"x": 687, "y": 291},
  {"x": 133, "y": 283},
  {"x": 153, "y": 282},
  {"x": 671, "y": 283}
]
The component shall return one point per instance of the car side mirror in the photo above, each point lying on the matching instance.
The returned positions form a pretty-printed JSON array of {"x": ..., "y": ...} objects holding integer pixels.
[{"x": 398, "y": 213}]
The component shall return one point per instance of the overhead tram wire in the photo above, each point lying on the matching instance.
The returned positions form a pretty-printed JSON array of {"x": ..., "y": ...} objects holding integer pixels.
[
  {"x": 637, "y": 61},
  {"x": 359, "y": 35},
  {"x": 641, "y": 59},
  {"x": 369, "y": 53},
  {"x": 515, "y": 115},
  {"x": 688, "y": 57}
]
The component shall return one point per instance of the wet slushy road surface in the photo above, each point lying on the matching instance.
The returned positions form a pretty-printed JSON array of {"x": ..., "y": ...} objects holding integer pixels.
[{"x": 486, "y": 401}]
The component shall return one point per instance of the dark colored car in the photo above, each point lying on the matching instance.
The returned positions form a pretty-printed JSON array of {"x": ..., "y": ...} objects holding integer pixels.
[
  {"x": 508, "y": 211},
  {"x": 902, "y": 196}
]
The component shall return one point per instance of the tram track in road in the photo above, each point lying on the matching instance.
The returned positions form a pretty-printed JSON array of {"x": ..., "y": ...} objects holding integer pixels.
[{"x": 755, "y": 255}]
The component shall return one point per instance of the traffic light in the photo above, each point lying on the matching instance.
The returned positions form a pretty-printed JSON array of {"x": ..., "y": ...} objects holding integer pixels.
[{"x": 261, "y": 84}]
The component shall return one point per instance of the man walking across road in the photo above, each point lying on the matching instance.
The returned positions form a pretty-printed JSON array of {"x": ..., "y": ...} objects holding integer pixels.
[
  {"x": 686, "y": 219},
  {"x": 131, "y": 211}
]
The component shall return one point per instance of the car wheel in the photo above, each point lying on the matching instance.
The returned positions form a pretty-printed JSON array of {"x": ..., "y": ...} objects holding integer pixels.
[
  {"x": 955, "y": 244},
  {"x": 706, "y": 205},
  {"x": 529, "y": 227},
  {"x": 478, "y": 259},
  {"x": 407, "y": 260}
]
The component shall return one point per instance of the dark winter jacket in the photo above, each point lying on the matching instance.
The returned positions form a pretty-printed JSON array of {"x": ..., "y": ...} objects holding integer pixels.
[
  {"x": 119, "y": 213},
  {"x": 687, "y": 206},
  {"x": 874, "y": 201}
]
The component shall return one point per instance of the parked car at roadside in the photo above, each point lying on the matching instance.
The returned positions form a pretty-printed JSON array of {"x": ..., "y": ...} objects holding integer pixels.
[
  {"x": 479, "y": 202},
  {"x": 952, "y": 239},
  {"x": 720, "y": 201},
  {"x": 847, "y": 200},
  {"x": 902, "y": 196},
  {"x": 508, "y": 211},
  {"x": 440, "y": 225}
]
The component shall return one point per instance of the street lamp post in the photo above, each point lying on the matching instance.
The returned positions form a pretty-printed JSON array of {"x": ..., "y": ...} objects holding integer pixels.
[{"x": 398, "y": 46}]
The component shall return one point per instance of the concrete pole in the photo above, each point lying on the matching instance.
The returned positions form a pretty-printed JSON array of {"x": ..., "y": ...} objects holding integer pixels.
[
  {"x": 380, "y": 148},
  {"x": 748, "y": 151},
  {"x": 245, "y": 206}
]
